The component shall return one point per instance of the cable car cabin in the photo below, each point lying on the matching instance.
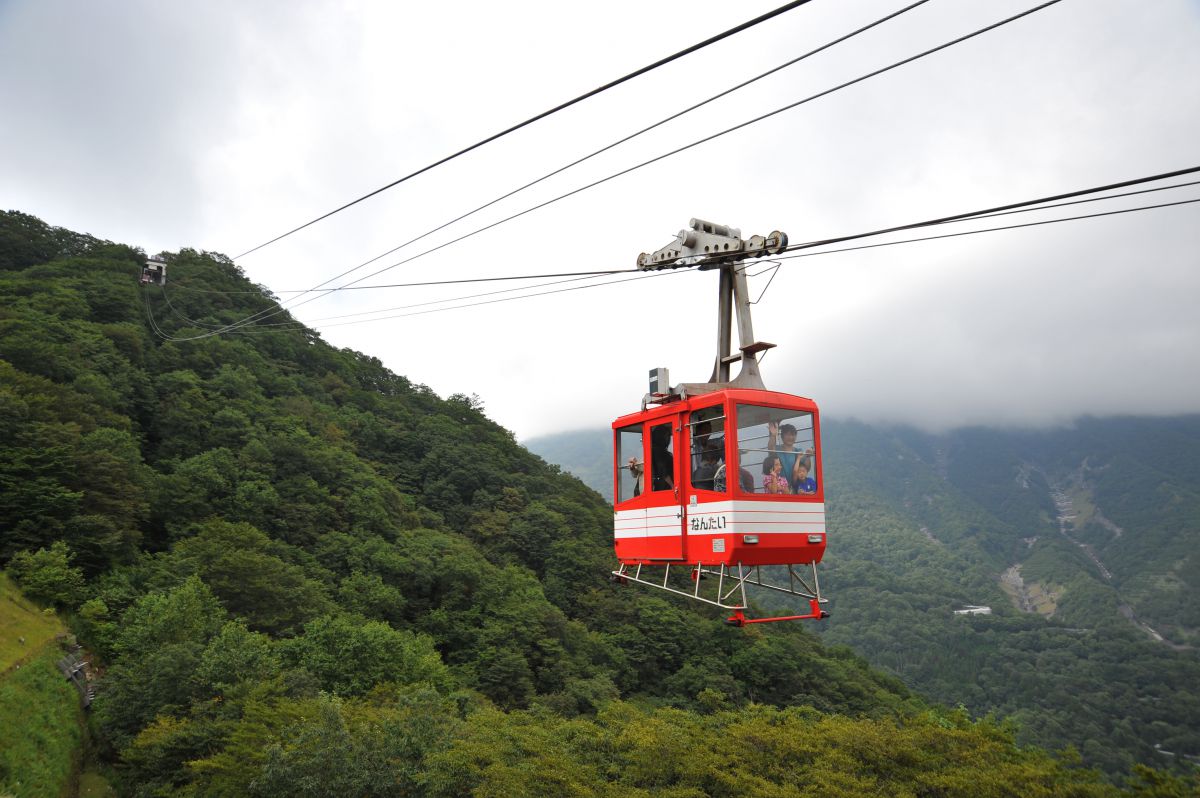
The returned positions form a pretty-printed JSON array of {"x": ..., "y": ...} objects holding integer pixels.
[
  {"x": 728, "y": 477},
  {"x": 722, "y": 483},
  {"x": 154, "y": 271},
  {"x": 721, "y": 477}
]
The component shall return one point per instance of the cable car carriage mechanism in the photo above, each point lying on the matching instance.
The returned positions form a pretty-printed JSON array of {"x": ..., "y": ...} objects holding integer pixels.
[{"x": 721, "y": 478}]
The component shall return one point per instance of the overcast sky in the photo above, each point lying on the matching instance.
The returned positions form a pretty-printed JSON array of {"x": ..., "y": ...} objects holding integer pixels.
[{"x": 218, "y": 125}]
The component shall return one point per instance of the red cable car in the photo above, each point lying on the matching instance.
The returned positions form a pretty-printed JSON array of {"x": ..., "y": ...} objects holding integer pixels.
[{"x": 721, "y": 480}]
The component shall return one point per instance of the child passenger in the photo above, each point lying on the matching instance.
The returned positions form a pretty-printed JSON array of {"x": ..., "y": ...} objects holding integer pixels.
[
  {"x": 773, "y": 479},
  {"x": 800, "y": 478}
]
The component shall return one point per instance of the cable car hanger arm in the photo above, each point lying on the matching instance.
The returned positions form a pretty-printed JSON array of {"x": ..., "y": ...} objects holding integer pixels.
[{"x": 708, "y": 245}]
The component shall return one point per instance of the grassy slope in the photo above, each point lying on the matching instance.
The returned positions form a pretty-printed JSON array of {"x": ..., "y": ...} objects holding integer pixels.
[
  {"x": 40, "y": 724},
  {"x": 21, "y": 620}
]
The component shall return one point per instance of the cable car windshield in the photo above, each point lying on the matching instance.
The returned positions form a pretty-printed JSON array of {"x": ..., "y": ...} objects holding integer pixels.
[{"x": 777, "y": 451}]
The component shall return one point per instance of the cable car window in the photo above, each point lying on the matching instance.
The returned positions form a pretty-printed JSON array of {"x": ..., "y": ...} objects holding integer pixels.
[
  {"x": 630, "y": 456},
  {"x": 777, "y": 449},
  {"x": 662, "y": 458},
  {"x": 707, "y": 432}
]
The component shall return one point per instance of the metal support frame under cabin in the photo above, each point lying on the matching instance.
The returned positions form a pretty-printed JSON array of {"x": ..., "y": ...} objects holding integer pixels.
[{"x": 730, "y": 585}]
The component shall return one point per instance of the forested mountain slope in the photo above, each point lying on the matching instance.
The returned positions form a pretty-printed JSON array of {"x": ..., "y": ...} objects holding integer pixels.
[
  {"x": 1128, "y": 494},
  {"x": 932, "y": 524},
  {"x": 301, "y": 573},
  {"x": 923, "y": 525}
]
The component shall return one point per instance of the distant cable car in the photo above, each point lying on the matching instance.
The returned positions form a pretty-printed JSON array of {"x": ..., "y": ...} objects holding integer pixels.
[
  {"x": 154, "y": 270},
  {"x": 721, "y": 481}
]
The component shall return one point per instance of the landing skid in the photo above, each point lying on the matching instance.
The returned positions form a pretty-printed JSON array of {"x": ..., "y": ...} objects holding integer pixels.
[{"x": 729, "y": 591}]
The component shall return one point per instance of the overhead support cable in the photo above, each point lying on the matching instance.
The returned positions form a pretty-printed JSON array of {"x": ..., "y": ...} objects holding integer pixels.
[
  {"x": 599, "y": 89},
  {"x": 574, "y": 277},
  {"x": 959, "y": 217},
  {"x": 984, "y": 230},
  {"x": 284, "y": 326},
  {"x": 204, "y": 325},
  {"x": 417, "y": 284},
  {"x": 686, "y": 147},
  {"x": 641, "y": 276},
  {"x": 799, "y": 255},
  {"x": 593, "y": 276},
  {"x": 1089, "y": 199},
  {"x": 613, "y": 145},
  {"x": 251, "y": 319},
  {"x": 281, "y": 326}
]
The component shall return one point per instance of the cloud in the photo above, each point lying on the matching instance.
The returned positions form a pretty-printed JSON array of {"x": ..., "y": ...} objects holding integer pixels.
[
  {"x": 218, "y": 126},
  {"x": 108, "y": 106},
  {"x": 1035, "y": 329}
]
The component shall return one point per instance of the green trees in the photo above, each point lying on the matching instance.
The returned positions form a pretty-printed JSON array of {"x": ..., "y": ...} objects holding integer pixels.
[
  {"x": 350, "y": 657},
  {"x": 35, "y": 497},
  {"x": 301, "y": 574},
  {"x": 243, "y": 568},
  {"x": 761, "y": 751},
  {"x": 155, "y": 656},
  {"x": 47, "y": 576},
  {"x": 326, "y": 758}
]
